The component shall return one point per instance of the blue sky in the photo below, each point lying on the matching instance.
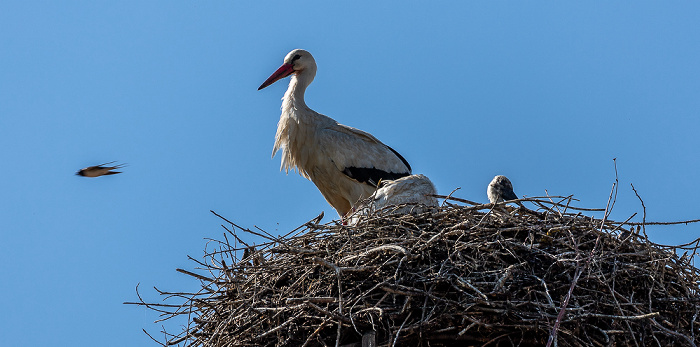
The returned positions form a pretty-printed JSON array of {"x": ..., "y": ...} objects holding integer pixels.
[{"x": 547, "y": 93}]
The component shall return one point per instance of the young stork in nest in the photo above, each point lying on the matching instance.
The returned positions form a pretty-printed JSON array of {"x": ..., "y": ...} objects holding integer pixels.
[
  {"x": 410, "y": 194},
  {"x": 500, "y": 189},
  {"x": 344, "y": 163}
]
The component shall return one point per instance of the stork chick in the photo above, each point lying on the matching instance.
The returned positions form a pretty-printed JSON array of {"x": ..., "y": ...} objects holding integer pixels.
[
  {"x": 500, "y": 189},
  {"x": 413, "y": 189},
  {"x": 416, "y": 192},
  {"x": 344, "y": 163}
]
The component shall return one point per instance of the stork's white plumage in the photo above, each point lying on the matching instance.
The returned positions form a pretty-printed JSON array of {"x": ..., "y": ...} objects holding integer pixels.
[
  {"x": 344, "y": 163},
  {"x": 413, "y": 189},
  {"x": 415, "y": 192}
]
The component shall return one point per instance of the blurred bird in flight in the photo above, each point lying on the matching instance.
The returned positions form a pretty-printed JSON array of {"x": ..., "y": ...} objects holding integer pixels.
[{"x": 100, "y": 170}]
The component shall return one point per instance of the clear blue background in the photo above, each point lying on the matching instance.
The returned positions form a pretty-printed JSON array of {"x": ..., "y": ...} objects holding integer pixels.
[{"x": 547, "y": 93}]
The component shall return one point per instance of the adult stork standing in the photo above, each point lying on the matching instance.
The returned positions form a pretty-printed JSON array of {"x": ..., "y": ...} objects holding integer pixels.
[{"x": 344, "y": 163}]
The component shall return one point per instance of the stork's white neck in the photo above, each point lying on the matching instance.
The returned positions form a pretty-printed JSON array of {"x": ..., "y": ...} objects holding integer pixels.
[
  {"x": 297, "y": 125},
  {"x": 294, "y": 97}
]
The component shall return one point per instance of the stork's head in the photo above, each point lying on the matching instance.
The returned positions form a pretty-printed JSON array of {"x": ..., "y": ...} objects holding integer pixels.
[{"x": 299, "y": 62}]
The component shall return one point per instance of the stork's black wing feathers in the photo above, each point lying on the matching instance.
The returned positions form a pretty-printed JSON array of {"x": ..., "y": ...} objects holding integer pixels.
[
  {"x": 402, "y": 159},
  {"x": 372, "y": 176}
]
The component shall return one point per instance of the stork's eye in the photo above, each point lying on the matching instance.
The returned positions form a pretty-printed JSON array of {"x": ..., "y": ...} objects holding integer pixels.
[{"x": 296, "y": 57}]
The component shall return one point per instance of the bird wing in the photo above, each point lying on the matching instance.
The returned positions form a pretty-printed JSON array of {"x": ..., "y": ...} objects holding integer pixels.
[
  {"x": 105, "y": 164},
  {"x": 508, "y": 194},
  {"x": 106, "y": 167},
  {"x": 360, "y": 156}
]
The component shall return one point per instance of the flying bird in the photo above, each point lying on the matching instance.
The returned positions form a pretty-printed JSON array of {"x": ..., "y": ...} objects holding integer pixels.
[
  {"x": 99, "y": 170},
  {"x": 500, "y": 189},
  {"x": 344, "y": 163}
]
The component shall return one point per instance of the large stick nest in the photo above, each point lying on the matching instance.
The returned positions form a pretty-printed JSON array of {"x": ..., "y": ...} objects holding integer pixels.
[{"x": 461, "y": 275}]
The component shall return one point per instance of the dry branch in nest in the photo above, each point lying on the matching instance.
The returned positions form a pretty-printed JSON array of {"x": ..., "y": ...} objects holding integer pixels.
[{"x": 461, "y": 275}]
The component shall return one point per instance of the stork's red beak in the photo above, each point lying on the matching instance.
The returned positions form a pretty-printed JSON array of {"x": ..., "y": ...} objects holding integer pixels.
[{"x": 284, "y": 71}]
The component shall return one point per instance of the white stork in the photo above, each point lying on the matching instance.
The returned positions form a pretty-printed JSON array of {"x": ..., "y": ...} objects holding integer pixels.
[
  {"x": 414, "y": 191},
  {"x": 500, "y": 189},
  {"x": 344, "y": 163}
]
